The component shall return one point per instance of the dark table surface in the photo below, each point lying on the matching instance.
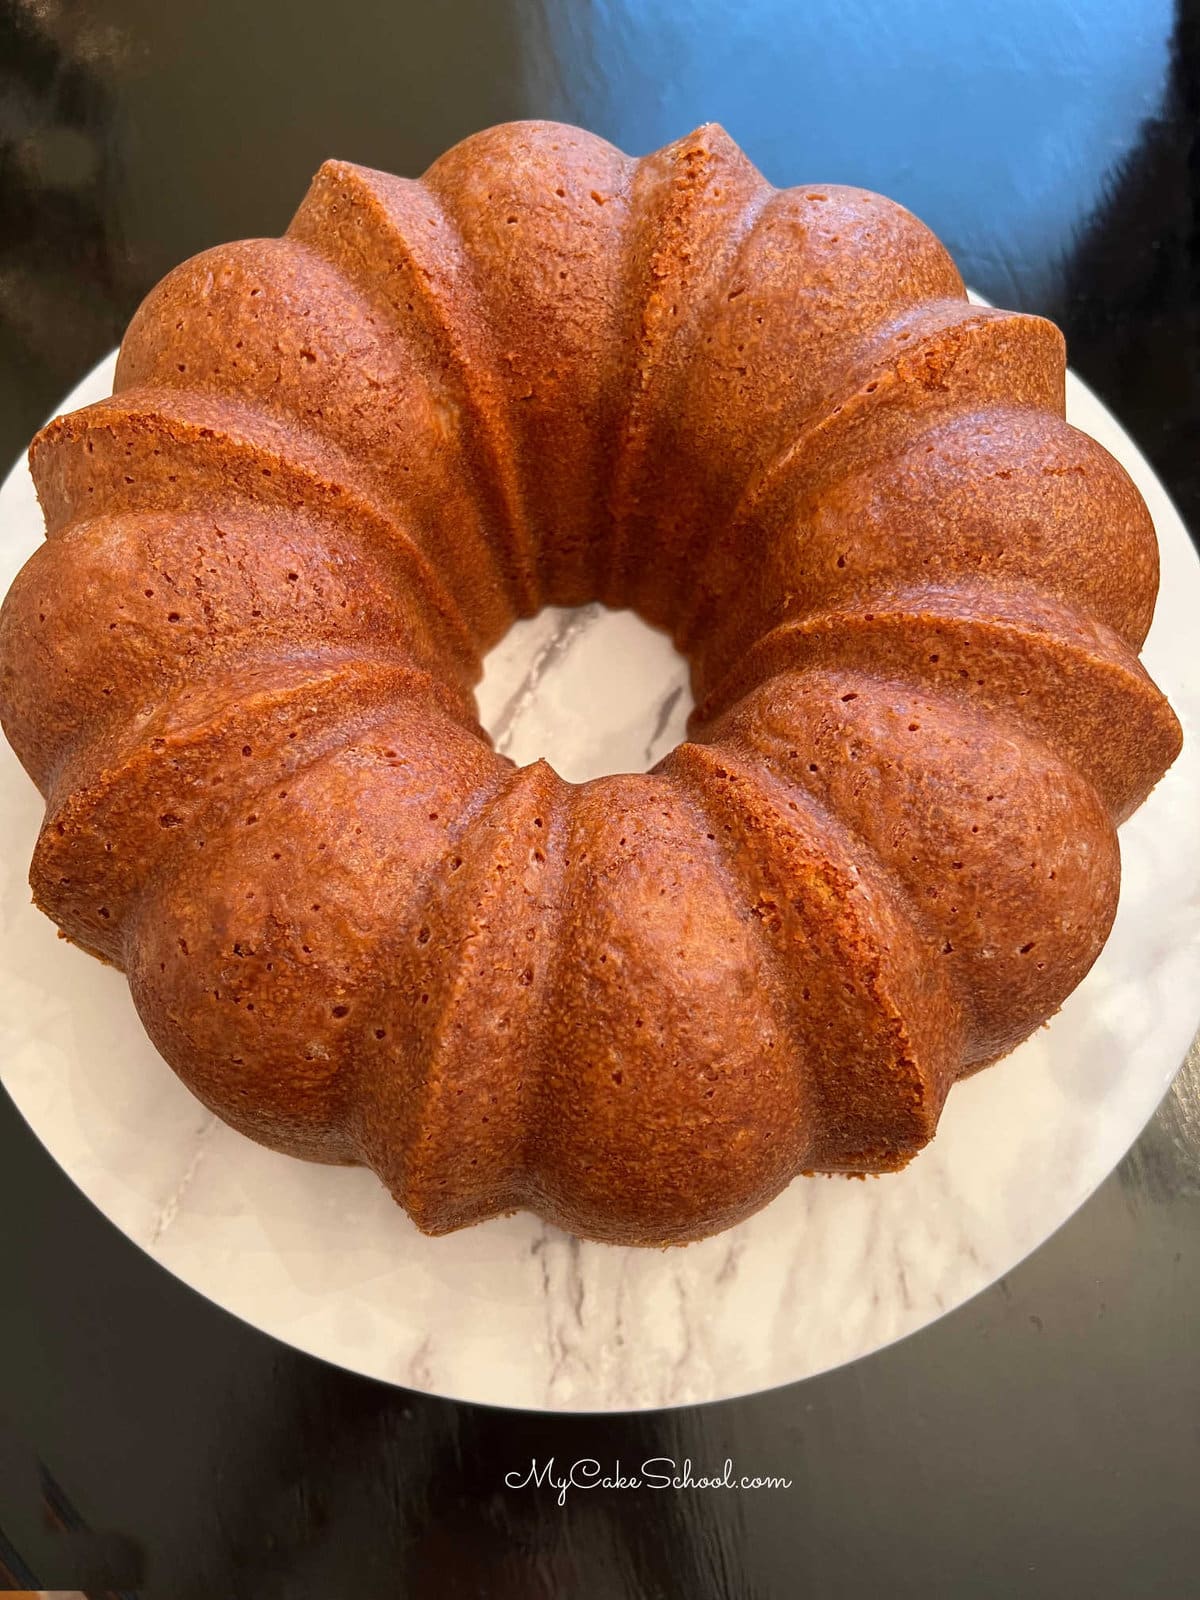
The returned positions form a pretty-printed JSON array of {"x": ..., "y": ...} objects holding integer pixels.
[{"x": 1044, "y": 1439}]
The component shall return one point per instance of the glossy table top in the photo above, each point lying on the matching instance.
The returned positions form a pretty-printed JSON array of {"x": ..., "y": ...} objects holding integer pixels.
[{"x": 1043, "y": 1439}]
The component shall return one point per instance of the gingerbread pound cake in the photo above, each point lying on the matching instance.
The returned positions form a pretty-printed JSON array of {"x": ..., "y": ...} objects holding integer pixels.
[{"x": 339, "y": 464}]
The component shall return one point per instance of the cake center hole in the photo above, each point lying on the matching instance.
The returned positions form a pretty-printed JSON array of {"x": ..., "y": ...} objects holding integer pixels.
[{"x": 591, "y": 690}]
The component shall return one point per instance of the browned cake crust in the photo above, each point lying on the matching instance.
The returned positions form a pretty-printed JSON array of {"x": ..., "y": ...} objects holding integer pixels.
[{"x": 338, "y": 465}]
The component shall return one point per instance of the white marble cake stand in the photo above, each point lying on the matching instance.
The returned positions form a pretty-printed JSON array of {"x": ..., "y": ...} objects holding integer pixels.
[{"x": 514, "y": 1312}]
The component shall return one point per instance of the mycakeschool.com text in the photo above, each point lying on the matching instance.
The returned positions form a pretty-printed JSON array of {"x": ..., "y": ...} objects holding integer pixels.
[{"x": 659, "y": 1472}]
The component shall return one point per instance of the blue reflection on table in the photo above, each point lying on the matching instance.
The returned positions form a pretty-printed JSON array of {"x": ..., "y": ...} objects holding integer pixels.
[{"x": 999, "y": 122}]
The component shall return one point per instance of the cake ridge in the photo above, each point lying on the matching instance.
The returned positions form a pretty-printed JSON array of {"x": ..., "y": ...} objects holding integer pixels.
[
  {"x": 368, "y": 718},
  {"x": 184, "y": 427},
  {"x": 643, "y": 285},
  {"x": 786, "y": 263},
  {"x": 871, "y": 398},
  {"x": 448, "y": 1064},
  {"x": 88, "y": 788},
  {"x": 876, "y": 520},
  {"x": 1013, "y": 946},
  {"x": 748, "y": 791},
  {"x": 287, "y": 972},
  {"x": 976, "y": 322},
  {"x": 422, "y": 276},
  {"x": 858, "y": 854},
  {"x": 336, "y": 376},
  {"x": 136, "y": 565},
  {"x": 727, "y": 269},
  {"x": 1122, "y": 768},
  {"x": 542, "y": 210}
]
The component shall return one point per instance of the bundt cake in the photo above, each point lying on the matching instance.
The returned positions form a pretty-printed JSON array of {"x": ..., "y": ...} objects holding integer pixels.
[{"x": 335, "y": 469}]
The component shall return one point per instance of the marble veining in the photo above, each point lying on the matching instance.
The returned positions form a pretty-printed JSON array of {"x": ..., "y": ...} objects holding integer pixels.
[
  {"x": 169, "y": 1209},
  {"x": 515, "y": 1312}
]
